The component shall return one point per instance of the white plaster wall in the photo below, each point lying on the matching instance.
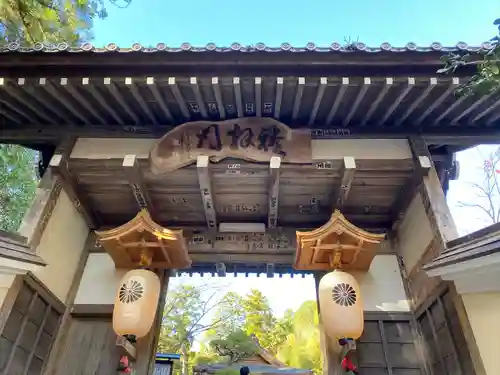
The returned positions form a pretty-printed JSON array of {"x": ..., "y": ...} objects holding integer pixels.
[
  {"x": 382, "y": 287},
  {"x": 483, "y": 311},
  {"x": 99, "y": 281},
  {"x": 331, "y": 149},
  {"x": 61, "y": 247},
  {"x": 414, "y": 233},
  {"x": 101, "y": 148},
  {"x": 6, "y": 282}
]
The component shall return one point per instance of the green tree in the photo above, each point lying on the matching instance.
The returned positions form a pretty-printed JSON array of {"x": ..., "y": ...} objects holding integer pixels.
[
  {"x": 487, "y": 78},
  {"x": 235, "y": 346},
  {"x": 259, "y": 319},
  {"x": 302, "y": 347},
  {"x": 184, "y": 318},
  {"x": 253, "y": 315},
  {"x": 50, "y": 21},
  {"x": 18, "y": 182}
]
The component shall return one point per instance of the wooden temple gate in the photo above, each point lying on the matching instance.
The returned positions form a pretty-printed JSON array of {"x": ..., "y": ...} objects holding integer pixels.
[{"x": 245, "y": 162}]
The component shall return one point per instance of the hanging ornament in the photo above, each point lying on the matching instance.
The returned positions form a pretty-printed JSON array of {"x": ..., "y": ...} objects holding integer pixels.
[
  {"x": 341, "y": 306},
  {"x": 136, "y": 303}
]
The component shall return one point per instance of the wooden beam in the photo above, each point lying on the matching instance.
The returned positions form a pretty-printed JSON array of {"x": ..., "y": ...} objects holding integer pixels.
[
  {"x": 403, "y": 201},
  {"x": 359, "y": 98},
  {"x": 134, "y": 176},
  {"x": 238, "y": 96},
  {"x": 199, "y": 97},
  {"x": 338, "y": 99},
  {"x": 178, "y": 96},
  {"x": 374, "y": 105},
  {"x": 433, "y": 196},
  {"x": 274, "y": 186},
  {"x": 279, "y": 97},
  {"x": 298, "y": 97},
  {"x": 59, "y": 166},
  {"x": 258, "y": 96},
  {"x": 323, "y": 82},
  {"x": 439, "y": 135},
  {"x": 162, "y": 103},
  {"x": 218, "y": 97},
  {"x": 344, "y": 186},
  {"x": 134, "y": 90},
  {"x": 202, "y": 164},
  {"x": 243, "y": 258},
  {"x": 117, "y": 95}
]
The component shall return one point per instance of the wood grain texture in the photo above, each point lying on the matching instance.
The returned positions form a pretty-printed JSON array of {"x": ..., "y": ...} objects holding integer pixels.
[
  {"x": 90, "y": 349},
  {"x": 255, "y": 139},
  {"x": 240, "y": 191}
]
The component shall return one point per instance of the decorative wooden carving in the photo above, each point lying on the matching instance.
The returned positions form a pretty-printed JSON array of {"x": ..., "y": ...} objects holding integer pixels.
[
  {"x": 142, "y": 242},
  {"x": 336, "y": 245},
  {"x": 252, "y": 138}
]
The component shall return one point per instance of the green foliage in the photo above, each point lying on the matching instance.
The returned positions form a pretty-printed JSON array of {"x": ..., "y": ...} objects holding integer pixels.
[
  {"x": 234, "y": 346},
  {"x": 183, "y": 319},
  {"x": 302, "y": 346},
  {"x": 487, "y": 78},
  {"x": 234, "y": 319},
  {"x": 50, "y": 21},
  {"x": 18, "y": 182}
]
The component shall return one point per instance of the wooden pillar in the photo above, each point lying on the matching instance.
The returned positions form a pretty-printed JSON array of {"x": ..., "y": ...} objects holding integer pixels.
[
  {"x": 444, "y": 230},
  {"x": 146, "y": 347},
  {"x": 432, "y": 194},
  {"x": 331, "y": 365}
]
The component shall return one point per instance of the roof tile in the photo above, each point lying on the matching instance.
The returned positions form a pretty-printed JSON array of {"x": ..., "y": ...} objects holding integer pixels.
[{"x": 238, "y": 47}]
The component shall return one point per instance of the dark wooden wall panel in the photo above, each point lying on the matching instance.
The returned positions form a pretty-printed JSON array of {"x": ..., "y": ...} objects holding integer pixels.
[
  {"x": 444, "y": 342},
  {"x": 29, "y": 333},
  {"x": 90, "y": 349},
  {"x": 388, "y": 346}
]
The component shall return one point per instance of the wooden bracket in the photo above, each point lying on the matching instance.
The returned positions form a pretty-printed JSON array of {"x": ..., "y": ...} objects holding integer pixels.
[
  {"x": 202, "y": 165},
  {"x": 59, "y": 166},
  {"x": 274, "y": 181},
  {"x": 126, "y": 348},
  {"x": 347, "y": 176},
  {"x": 134, "y": 176}
]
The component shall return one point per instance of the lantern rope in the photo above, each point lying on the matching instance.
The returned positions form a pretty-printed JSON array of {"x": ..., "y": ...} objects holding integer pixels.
[{"x": 345, "y": 361}]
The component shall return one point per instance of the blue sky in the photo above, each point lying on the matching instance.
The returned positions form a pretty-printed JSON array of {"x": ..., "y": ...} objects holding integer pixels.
[
  {"x": 321, "y": 22},
  {"x": 298, "y": 22}
]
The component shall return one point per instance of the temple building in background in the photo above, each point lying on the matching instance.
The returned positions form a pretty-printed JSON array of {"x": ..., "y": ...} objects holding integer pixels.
[{"x": 245, "y": 159}]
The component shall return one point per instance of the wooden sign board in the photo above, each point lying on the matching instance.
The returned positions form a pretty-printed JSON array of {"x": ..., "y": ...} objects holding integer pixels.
[{"x": 253, "y": 139}]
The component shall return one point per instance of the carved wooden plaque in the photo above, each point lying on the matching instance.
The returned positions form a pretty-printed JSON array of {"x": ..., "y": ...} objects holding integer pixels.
[{"x": 253, "y": 139}]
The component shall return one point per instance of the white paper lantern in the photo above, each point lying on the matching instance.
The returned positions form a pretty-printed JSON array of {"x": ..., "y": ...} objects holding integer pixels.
[
  {"x": 136, "y": 303},
  {"x": 341, "y": 306}
]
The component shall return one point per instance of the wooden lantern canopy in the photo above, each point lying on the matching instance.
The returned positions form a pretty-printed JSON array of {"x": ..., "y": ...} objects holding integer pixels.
[
  {"x": 142, "y": 242},
  {"x": 336, "y": 245}
]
